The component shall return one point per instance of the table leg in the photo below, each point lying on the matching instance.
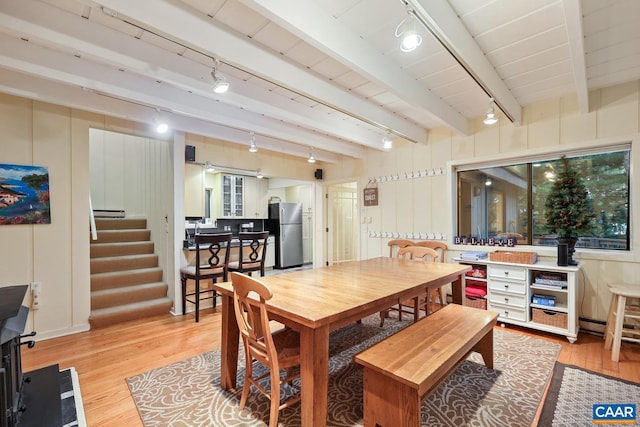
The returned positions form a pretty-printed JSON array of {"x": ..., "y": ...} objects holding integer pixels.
[
  {"x": 457, "y": 291},
  {"x": 229, "y": 345},
  {"x": 314, "y": 375}
]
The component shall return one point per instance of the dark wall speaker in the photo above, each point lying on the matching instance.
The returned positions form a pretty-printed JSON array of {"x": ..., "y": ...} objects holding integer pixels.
[
  {"x": 190, "y": 153},
  {"x": 318, "y": 174}
]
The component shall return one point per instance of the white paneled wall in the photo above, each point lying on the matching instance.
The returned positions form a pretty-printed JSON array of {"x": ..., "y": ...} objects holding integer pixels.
[{"x": 424, "y": 205}]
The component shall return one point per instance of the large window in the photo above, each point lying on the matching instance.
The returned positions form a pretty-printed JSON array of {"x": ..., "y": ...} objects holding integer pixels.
[{"x": 507, "y": 201}]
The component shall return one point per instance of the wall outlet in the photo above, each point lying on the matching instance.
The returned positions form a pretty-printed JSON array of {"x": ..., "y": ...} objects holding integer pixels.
[{"x": 36, "y": 288}]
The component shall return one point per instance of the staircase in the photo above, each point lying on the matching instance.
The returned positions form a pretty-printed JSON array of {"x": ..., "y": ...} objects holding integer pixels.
[{"x": 126, "y": 282}]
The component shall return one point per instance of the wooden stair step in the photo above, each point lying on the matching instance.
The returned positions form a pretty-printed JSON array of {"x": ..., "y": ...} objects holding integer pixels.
[
  {"x": 129, "y": 294},
  {"x": 122, "y": 263},
  {"x": 133, "y": 235},
  {"x": 122, "y": 313},
  {"x": 117, "y": 279},
  {"x": 120, "y": 223},
  {"x": 99, "y": 250}
]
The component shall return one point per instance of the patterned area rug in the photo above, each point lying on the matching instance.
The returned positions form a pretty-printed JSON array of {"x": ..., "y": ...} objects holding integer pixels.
[
  {"x": 188, "y": 393},
  {"x": 573, "y": 392}
]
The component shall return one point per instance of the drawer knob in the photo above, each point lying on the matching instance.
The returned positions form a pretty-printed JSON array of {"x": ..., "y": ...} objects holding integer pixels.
[
  {"x": 506, "y": 313},
  {"x": 506, "y": 286},
  {"x": 506, "y": 300},
  {"x": 506, "y": 273}
]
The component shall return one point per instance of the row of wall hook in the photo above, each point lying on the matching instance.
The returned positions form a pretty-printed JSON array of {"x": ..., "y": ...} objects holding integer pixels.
[
  {"x": 396, "y": 235},
  {"x": 408, "y": 175}
]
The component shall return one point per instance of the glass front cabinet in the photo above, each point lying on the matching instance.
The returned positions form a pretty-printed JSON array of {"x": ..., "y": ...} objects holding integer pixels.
[{"x": 232, "y": 196}]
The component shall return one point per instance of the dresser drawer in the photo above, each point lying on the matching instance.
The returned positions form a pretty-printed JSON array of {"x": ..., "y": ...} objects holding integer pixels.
[
  {"x": 506, "y": 299},
  {"x": 509, "y": 312},
  {"x": 507, "y": 272},
  {"x": 508, "y": 286}
]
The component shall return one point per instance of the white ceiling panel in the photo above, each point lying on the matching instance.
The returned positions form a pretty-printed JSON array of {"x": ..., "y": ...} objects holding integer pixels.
[{"x": 335, "y": 78}]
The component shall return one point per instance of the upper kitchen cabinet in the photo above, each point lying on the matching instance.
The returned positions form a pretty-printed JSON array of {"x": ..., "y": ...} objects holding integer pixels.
[
  {"x": 193, "y": 194},
  {"x": 255, "y": 197},
  {"x": 232, "y": 196}
]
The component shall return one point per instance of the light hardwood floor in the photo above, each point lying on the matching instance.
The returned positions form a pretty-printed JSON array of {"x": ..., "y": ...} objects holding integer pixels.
[{"x": 103, "y": 358}]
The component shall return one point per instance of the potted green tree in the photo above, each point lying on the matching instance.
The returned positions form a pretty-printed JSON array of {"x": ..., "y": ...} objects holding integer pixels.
[{"x": 568, "y": 209}]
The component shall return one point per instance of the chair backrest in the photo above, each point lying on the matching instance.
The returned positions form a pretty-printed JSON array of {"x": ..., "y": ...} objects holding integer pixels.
[
  {"x": 418, "y": 252},
  {"x": 440, "y": 247},
  {"x": 217, "y": 258},
  {"x": 253, "y": 249},
  {"x": 396, "y": 244},
  {"x": 253, "y": 319}
]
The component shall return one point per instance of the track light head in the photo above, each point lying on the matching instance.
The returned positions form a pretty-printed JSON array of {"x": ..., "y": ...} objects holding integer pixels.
[
  {"x": 490, "y": 118},
  {"x": 387, "y": 143},
  {"x": 220, "y": 84},
  {"x": 253, "y": 148},
  {"x": 311, "y": 159},
  {"x": 407, "y": 31}
]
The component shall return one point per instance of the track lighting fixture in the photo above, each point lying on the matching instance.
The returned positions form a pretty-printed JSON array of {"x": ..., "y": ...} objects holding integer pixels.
[
  {"x": 259, "y": 174},
  {"x": 311, "y": 159},
  {"x": 491, "y": 117},
  {"x": 253, "y": 148},
  {"x": 208, "y": 166},
  {"x": 160, "y": 125},
  {"x": 220, "y": 84},
  {"x": 407, "y": 31},
  {"x": 387, "y": 143}
]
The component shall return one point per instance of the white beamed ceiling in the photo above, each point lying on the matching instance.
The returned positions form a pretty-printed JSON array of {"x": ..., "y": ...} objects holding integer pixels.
[{"x": 321, "y": 74}]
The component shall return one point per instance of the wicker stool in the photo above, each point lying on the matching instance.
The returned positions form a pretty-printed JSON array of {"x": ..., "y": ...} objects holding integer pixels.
[{"x": 618, "y": 311}]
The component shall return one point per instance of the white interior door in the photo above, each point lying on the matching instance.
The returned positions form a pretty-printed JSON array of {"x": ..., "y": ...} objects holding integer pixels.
[{"x": 342, "y": 221}]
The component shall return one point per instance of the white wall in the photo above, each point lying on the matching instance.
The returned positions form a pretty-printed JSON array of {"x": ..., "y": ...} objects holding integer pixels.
[{"x": 424, "y": 205}]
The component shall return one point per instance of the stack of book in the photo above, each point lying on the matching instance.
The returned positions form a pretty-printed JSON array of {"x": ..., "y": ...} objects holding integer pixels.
[
  {"x": 552, "y": 281},
  {"x": 473, "y": 255}
]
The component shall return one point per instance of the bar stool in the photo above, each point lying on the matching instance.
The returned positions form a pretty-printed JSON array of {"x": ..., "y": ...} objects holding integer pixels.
[
  {"x": 252, "y": 252},
  {"x": 212, "y": 262},
  {"x": 615, "y": 331}
]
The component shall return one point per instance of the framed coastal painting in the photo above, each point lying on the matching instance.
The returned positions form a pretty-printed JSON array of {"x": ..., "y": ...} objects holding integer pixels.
[{"x": 24, "y": 195}]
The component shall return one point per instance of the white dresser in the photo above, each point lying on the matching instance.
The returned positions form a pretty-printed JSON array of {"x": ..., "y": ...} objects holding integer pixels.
[{"x": 520, "y": 294}]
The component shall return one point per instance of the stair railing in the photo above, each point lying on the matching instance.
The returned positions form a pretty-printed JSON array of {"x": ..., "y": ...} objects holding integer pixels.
[{"x": 94, "y": 232}]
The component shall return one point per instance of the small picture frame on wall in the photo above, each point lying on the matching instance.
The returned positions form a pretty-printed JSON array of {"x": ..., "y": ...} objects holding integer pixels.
[{"x": 24, "y": 195}]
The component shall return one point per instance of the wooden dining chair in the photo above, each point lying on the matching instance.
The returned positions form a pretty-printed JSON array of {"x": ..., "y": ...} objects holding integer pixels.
[
  {"x": 275, "y": 350},
  {"x": 212, "y": 262},
  {"x": 411, "y": 306},
  {"x": 396, "y": 244},
  {"x": 251, "y": 253},
  {"x": 429, "y": 304}
]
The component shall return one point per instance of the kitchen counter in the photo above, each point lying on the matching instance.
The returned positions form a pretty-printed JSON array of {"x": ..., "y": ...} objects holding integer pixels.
[{"x": 190, "y": 251}]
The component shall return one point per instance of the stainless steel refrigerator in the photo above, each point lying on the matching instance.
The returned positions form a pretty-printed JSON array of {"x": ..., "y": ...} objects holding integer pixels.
[{"x": 285, "y": 221}]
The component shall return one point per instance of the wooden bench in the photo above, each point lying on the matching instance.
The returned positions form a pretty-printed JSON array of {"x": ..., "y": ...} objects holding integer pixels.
[{"x": 403, "y": 369}]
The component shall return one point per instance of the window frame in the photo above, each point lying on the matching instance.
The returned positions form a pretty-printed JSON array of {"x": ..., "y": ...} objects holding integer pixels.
[{"x": 550, "y": 154}]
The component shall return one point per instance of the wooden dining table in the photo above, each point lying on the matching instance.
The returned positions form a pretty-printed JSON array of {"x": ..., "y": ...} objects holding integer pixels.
[{"x": 317, "y": 301}]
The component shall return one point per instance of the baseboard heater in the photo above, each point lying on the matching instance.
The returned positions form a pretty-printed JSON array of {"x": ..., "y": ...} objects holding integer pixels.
[
  {"x": 592, "y": 326},
  {"x": 106, "y": 213}
]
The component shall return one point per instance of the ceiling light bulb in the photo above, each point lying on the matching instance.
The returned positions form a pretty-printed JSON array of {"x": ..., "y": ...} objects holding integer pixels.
[
  {"x": 410, "y": 42},
  {"x": 311, "y": 159},
  {"x": 162, "y": 127},
  {"x": 387, "y": 143}
]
